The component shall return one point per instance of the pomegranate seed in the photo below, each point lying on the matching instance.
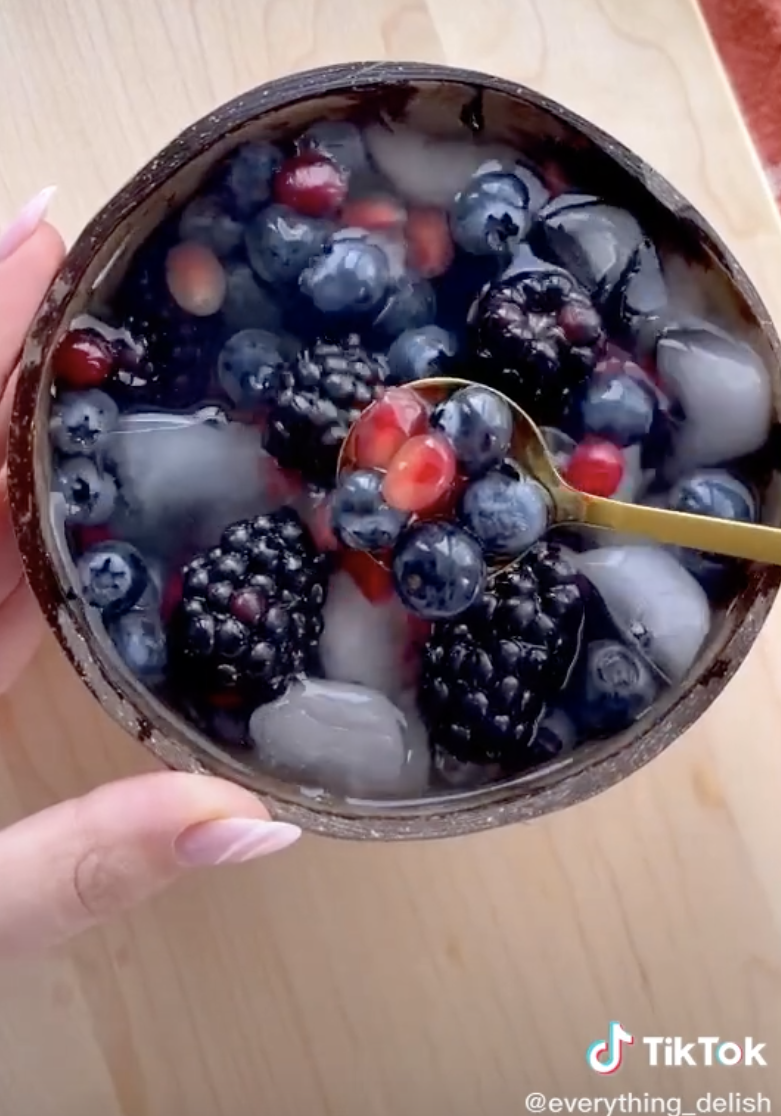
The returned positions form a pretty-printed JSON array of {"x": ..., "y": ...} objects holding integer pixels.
[
  {"x": 385, "y": 426},
  {"x": 282, "y": 485},
  {"x": 429, "y": 243},
  {"x": 310, "y": 184},
  {"x": 420, "y": 474},
  {"x": 225, "y": 699},
  {"x": 373, "y": 214},
  {"x": 596, "y": 467},
  {"x": 446, "y": 506},
  {"x": 83, "y": 359},
  {"x": 555, "y": 179},
  {"x": 90, "y": 534},
  {"x": 172, "y": 594},
  {"x": 319, "y": 523},
  {"x": 372, "y": 578},
  {"x": 196, "y": 279}
]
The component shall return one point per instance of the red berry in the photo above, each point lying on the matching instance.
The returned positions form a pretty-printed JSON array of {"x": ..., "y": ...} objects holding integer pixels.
[
  {"x": 83, "y": 359},
  {"x": 447, "y": 505},
  {"x": 385, "y": 426},
  {"x": 319, "y": 523},
  {"x": 310, "y": 184},
  {"x": 420, "y": 474},
  {"x": 373, "y": 579},
  {"x": 596, "y": 467},
  {"x": 429, "y": 243},
  {"x": 378, "y": 214},
  {"x": 90, "y": 534}
]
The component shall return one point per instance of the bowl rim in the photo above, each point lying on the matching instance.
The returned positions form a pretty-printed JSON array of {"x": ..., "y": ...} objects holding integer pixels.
[{"x": 61, "y": 609}]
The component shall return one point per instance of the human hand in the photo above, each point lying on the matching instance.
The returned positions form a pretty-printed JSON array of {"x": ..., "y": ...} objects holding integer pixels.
[{"x": 80, "y": 862}]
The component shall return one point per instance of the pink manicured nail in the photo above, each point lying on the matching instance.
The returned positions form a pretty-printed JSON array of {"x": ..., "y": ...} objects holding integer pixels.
[
  {"x": 232, "y": 841},
  {"x": 25, "y": 223}
]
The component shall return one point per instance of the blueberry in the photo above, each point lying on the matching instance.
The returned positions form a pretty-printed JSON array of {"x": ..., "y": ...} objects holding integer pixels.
[
  {"x": 339, "y": 140},
  {"x": 491, "y": 216},
  {"x": 418, "y": 353},
  {"x": 411, "y": 304},
  {"x": 248, "y": 362},
  {"x": 438, "y": 570},
  {"x": 249, "y": 304},
  {"x": 479, "y": 425},
  {"x": 90, "y": 494},
  {"x": 206, "y": 221},
  {"x": 280, "y": 243},
  {"x": 140, "y": 640},
  {"x": 350, "y": 276},
  {"x": 616, "y": 687},
  {"x": 361, "y": 518},
  {"x": 114, "y": 577},
  {"x": 249, "y": 176},
  {"x": 529, "y": 176},
  {"x": 714, "y": 492},
  {"x": 620, "y": 409},
  {"x": 81, "y": 420},
  {"x": 505, "y": 515}
]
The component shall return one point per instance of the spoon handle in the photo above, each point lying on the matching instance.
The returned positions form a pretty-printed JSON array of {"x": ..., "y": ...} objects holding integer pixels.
[{"x": 717, "y": 536}]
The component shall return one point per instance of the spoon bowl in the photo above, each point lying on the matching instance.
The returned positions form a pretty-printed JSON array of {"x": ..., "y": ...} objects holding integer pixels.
[{"x": 750, "y": 541}]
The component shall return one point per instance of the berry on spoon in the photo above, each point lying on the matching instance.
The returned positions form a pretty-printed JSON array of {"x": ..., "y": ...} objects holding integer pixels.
[{"x": 420, "y": 474}]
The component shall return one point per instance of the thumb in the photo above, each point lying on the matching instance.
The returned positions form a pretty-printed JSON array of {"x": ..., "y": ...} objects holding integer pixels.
[{"x": 85, "y": 860}]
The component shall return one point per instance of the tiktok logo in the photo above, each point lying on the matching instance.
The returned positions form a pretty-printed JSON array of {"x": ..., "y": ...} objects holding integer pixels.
[{"x": 605, "y": 1055}]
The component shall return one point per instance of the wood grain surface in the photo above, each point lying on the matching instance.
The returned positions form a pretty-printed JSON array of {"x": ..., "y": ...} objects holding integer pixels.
[{"x": 448, "y": 978}]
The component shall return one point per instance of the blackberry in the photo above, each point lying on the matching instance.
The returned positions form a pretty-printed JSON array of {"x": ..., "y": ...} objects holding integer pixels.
[
  {"x": 174, "y": 353},
  {"x": 488, "y": 674},
  {"x": 250, "y": 617},
  {"x": 314, "y": 402},
  {"x": 535, "y": 336}
]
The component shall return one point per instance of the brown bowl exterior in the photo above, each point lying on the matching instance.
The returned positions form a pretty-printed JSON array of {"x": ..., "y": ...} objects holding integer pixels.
[{"x": 435, "y": 96}]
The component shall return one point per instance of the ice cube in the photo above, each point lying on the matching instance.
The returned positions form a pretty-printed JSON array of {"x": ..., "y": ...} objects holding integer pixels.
[
  {"x": 427, "y": 170},
  {"x": 724, "y": 390},
  {"x": 182, "y": 483},
  {"x": 654, "y": 602},
  {"x": 347, "y": 739},
  {"x": 364, "y": 643},
  {"x": 593, "y": 241}
]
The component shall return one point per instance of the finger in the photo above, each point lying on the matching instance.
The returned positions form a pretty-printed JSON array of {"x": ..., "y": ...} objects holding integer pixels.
[
  {"x": 22, "y": 625},
  {"x": 84, "y": 861},
  {"x": 25, "y": 278}
]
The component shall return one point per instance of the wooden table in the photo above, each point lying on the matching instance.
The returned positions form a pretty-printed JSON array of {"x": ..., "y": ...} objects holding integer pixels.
[{"x": 448, "y": 978}]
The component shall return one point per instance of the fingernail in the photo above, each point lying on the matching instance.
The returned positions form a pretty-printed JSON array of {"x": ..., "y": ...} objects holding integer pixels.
[
  {"x": 232, "y": 841},
  {"x": 25, "y": 223}
]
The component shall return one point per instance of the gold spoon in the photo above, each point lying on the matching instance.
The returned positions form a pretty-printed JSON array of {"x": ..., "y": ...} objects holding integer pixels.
[{"x": 753, "y": 542}]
